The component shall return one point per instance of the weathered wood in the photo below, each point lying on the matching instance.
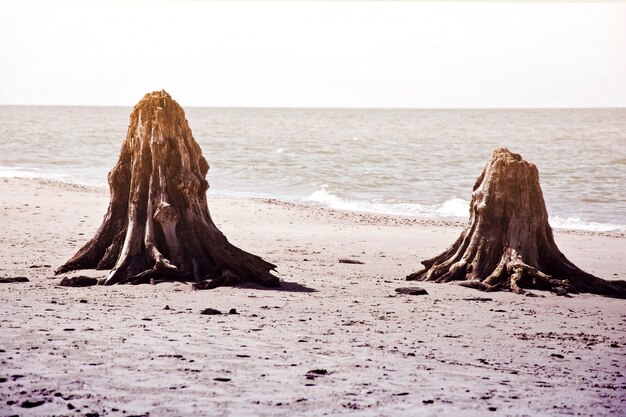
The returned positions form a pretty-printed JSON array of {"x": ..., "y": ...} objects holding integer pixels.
[
  {"x": 508, "y": 242},
  {"x": 412, "y": 291},
  {"x": 11, "y": 280},
  {"x": 158, "y": 225}
]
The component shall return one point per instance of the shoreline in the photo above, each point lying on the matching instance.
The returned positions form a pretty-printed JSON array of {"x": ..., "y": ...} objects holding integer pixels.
[
  {"x": 313, "y": 206},
  {"x": 129, "y": 350}
]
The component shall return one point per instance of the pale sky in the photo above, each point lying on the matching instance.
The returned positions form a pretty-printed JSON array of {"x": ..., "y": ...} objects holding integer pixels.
[{"x": 315, "y": 54}]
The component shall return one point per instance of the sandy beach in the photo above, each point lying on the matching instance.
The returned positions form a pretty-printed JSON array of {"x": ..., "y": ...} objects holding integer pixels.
[{"x": 336, "y": 339}]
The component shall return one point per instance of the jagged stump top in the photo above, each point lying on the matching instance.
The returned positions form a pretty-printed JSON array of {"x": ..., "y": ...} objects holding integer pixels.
[
  {"x": 158, "y": 110},
  {"x": 508, "y": 194}
]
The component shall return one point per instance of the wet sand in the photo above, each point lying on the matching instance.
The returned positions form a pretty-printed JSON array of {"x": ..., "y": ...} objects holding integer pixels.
[{"x": 336, "y": 339}]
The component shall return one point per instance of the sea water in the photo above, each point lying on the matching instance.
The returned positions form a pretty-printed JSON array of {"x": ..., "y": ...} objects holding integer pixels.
[{"x": 396, "y": 161}]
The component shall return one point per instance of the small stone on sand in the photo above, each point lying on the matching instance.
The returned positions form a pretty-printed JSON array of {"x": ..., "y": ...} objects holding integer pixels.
[
  {"x": 210, "y": 312},
  {"x": 79, "y": 281}
]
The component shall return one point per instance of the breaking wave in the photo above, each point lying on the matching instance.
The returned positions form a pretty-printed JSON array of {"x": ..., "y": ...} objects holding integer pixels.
[
  {"x": 575, "y": 223},
  {"x": 452, "y": 208}
]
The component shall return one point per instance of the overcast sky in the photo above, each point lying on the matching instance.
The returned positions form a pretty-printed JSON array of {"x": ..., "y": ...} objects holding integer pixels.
[{"x": 314, "y": 54}]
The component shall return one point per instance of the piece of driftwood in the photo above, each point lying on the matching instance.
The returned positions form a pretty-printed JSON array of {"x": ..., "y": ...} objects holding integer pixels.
[
  {"x": 508, "y": 242},
  {"x": 412, "y": 291},
  {"x": 11, "y": 280},
  {"x": 350, "y": 261}
]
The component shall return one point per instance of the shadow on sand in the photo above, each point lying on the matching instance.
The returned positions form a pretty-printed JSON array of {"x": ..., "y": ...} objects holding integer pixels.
[{"x": 284, "y": 286}]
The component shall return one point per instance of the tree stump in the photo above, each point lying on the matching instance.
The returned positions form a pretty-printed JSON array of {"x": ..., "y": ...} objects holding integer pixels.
[
  {"x": 158, "y": 225},
  {"x": 508, "y": 242}
]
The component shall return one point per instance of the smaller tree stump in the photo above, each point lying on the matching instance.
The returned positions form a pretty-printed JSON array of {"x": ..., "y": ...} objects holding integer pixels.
[{"x": 508, "y": 243}]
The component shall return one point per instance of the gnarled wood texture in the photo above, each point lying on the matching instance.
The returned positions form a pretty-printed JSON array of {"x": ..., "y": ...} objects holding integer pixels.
[
  {"x": 508, "y": 243},
  {"x": 158, "y": 225}
]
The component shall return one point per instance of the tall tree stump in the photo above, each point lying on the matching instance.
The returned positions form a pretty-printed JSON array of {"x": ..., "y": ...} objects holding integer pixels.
[
  {"x": 508, "y": 242},
  {"x": 158, "y": 225}
]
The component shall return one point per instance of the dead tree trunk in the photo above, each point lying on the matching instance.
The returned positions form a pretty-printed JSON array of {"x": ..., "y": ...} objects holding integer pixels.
[
  {"x": 158, "y": 225},
  {"x": 508, "y": 243}
]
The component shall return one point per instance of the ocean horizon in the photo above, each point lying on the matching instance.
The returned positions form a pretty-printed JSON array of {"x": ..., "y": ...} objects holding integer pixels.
[{"x": 411, "y": 162}]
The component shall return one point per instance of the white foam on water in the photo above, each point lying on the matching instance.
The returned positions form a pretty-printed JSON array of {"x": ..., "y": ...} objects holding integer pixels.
[
  {"x": 36, "y": 173},
  {"x": 452, "y": 208},
  {"x": 324, "y": 197},
  {"x": 575, "y": 223},
  {"x": 19, "y": 172}
]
